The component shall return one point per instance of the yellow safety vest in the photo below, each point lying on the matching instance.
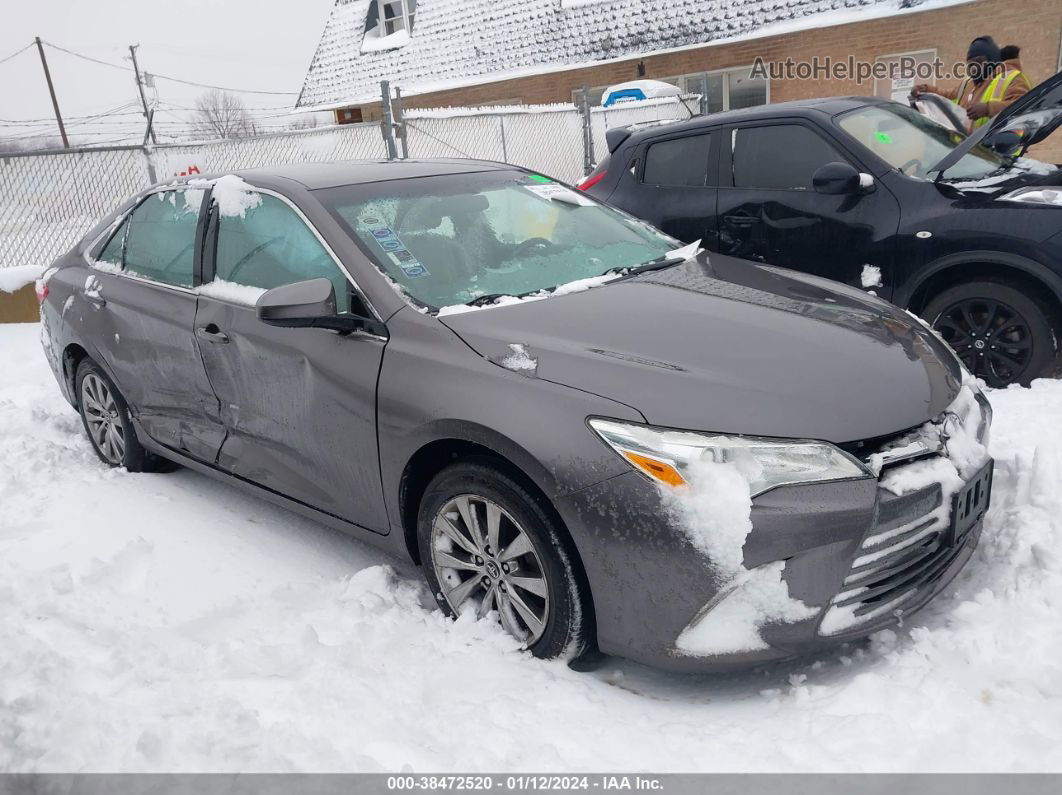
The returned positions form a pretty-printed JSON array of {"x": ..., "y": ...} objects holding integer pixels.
[{"x": 994, "y": 91}]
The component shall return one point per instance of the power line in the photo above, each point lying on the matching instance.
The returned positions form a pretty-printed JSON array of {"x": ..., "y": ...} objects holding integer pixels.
[
  {"x": 16, "y": 52},
  {"x": 172, "y": 79}
]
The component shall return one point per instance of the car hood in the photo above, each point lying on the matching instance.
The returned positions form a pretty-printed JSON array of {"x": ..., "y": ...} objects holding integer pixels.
[{"x": 723, "y": 345}]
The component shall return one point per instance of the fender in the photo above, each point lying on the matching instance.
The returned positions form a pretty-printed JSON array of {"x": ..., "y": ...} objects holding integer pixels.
[
  {"x": 466, "y": 431},
  {"x": 1038, "y": 271},
  {"x": 69, "y": 373}
]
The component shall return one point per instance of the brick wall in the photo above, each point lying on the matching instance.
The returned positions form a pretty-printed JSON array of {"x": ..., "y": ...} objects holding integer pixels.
[{"x": 1034, "y": 25}]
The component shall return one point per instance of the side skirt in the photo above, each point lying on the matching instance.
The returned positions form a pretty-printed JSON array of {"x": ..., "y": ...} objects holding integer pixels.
[{"x": 380, "y": 540}]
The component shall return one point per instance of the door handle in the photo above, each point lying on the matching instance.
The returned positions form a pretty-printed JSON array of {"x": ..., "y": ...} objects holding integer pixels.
[
  {"x": 95, "y": 300},
  {"x": 741, "y": 220},
  {"x": 212, "y": 334}
]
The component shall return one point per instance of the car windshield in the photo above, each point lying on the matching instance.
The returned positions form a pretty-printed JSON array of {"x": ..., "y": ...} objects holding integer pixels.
[
  {"x": 454, "y": 239},
  {"x": 913, "y": 143}
]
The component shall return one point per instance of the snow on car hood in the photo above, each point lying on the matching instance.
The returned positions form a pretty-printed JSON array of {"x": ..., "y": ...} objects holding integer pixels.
[{"x": 730, "y": 347}]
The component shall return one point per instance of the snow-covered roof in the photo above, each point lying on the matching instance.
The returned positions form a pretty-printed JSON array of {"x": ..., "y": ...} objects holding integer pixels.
[{"x": 457, "y": 43}]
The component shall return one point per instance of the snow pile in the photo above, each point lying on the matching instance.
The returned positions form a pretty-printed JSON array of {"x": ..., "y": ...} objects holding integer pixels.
[
  {"x": 167, "y": 622},
  {"x": 14, "y": 279},
  {"x": 957, "y": 433},
  {"x": 233, "y": 196},
  {"x": 373, "y": 42},
  {"x": 93, "y": 288},
  {"x": 871, "y": 276},
  {"x": 520, "y": 360},
  {"x": 242, "y": 294},
  {"x": 716, "y": 513},
  {"x": 732, "y": 622}
]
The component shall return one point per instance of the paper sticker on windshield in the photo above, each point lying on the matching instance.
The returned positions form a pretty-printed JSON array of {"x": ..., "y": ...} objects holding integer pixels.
[
  {"x": 407, "y": 262},
  {"x": 555, "y": 192},
  {"x": 395, "y": 250}
]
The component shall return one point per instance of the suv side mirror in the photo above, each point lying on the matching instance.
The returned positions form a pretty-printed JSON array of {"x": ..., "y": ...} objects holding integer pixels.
[
  {"x": 837, "y": 179},
  {"x": 310, "y": 304}
]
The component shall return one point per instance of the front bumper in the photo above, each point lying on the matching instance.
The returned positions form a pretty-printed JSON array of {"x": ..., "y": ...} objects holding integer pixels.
[{"x": 857, "y": 554}]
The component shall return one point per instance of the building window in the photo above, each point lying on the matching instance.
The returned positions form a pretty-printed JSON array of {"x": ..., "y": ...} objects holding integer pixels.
[
  {"x": 725, "y": 89},
  {"x": 389, "y": 16}
]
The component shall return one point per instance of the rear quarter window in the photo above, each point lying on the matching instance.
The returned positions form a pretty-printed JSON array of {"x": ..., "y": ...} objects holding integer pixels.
[{"x": 679, "y": 162}]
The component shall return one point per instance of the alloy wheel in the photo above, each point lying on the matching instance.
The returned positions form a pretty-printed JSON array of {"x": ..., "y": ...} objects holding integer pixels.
[
  {"x": 991, "y": 338},
  {"x": 103, "y": 418},
  {"x": 484, "y": 560}
]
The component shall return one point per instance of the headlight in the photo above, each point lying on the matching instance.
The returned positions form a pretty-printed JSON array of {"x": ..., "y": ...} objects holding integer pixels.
[
  {"x": 1052, "y": 196},
  {"x": 666, "y": 456}
]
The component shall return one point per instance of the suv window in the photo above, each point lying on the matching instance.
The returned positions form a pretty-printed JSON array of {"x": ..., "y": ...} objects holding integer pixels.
[
  {"x": 269, "y": 246},
  {"x": 160, "y": 242},
  {"x": 681, "y": 162},
  {"x": 780, "y": 157}
]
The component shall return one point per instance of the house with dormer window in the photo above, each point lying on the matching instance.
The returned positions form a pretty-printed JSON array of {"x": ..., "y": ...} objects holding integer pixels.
[{"x": 501, "y": 52}]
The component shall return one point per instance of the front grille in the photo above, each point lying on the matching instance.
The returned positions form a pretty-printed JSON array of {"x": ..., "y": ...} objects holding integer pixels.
[{"x": 906, "y": 550}]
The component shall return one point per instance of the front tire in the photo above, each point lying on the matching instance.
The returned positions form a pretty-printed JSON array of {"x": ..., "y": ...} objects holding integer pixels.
[
  {"x": 1000, "y": 332},
  {"x": 488, "y": 546},
  {"x": 105, "y": 415}
]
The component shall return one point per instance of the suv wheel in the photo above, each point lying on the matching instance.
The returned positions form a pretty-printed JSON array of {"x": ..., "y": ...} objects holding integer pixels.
[
  {"x": 105, "y": 415},
  {"x": 488, "y": 547},
  {"x": 1000, "y": 333}
]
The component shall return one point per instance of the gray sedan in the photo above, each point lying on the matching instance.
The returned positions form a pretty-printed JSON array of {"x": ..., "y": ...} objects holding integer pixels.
[{"x": 603, "y": 440}]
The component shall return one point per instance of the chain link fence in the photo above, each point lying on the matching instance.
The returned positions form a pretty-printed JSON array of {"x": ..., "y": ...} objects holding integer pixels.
[{"x": 48, "y": 200}]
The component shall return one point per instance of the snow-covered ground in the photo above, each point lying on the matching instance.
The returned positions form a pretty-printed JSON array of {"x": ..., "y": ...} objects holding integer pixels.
[{"x": 167, "y": 622}]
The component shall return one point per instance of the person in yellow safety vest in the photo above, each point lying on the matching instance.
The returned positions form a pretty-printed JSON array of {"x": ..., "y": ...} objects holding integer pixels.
[{"x": 990, "y": 84}]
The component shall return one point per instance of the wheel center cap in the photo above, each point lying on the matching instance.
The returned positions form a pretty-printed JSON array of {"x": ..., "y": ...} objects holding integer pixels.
[
  {"x": 492, "y": 570},
  {"x": 979, "y": 344}
]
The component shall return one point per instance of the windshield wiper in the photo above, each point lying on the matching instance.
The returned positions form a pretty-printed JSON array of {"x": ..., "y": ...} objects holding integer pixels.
[
  {"x": 665, "y": 261},
  {"x": 488, "y": 298}
]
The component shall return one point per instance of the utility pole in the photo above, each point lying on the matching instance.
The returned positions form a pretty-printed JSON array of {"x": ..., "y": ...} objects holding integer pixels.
[
  {"x": 143, "y": 98},
  {"x": 51, "y": 90}
]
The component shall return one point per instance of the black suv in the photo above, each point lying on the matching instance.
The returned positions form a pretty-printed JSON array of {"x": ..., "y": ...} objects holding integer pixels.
[{"x": 964, "y": 231}]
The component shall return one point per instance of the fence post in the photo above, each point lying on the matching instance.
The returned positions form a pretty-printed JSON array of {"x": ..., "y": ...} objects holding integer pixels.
[
  {"x": 588, "y": 132},
  {"x": 400, "y": 123},
  {"x": 505, "y": 145},
  {"x": 387, "y": 125},
  {"x": 149, "y": 163}
]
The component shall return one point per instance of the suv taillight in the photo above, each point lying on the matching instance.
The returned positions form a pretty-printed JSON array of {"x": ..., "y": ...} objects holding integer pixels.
[{"x": 42, "y": 291}]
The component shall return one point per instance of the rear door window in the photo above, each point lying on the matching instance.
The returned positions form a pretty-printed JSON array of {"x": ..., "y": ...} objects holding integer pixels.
[
  {"x": 779, "y": 157},
  {"x": 160, "y": 243},
  {"x": 678, "y": 162},
  {"x": 270, "y": 246}
]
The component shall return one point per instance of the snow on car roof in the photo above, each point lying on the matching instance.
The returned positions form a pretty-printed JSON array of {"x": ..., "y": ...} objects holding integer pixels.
[{"x": 457, "y": 43}]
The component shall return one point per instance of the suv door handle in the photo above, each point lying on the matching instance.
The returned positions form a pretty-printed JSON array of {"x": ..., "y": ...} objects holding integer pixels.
[
  {"x": 212, "y": 334},
  {"x": 741, "y": 220},
  {"x": 95, "y": 300}
]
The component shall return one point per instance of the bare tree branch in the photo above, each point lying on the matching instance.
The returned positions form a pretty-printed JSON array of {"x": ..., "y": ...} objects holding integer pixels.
[{"x": 219, "y": 114}]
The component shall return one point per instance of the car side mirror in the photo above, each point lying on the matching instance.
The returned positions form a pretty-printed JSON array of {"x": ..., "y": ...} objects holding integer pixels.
[
  {"x": 838, "y": 179},
  {"x": 310, "y": 304}
]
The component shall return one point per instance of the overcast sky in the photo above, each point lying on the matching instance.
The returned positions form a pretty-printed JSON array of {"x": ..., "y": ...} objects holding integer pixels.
[{"x": 247, "y": 44}]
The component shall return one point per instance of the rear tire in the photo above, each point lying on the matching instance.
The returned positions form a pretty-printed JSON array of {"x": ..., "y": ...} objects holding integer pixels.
[
  {"x": 1000, "y": 332},
  {"x": 105, "y": 416},
  {"x": 507, "y": 558}
]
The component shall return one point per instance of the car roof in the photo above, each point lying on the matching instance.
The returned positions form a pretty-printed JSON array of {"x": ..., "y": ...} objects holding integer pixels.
[
  {"x": 797, "y": 108},
  {"x": 314, "y": 176}
]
